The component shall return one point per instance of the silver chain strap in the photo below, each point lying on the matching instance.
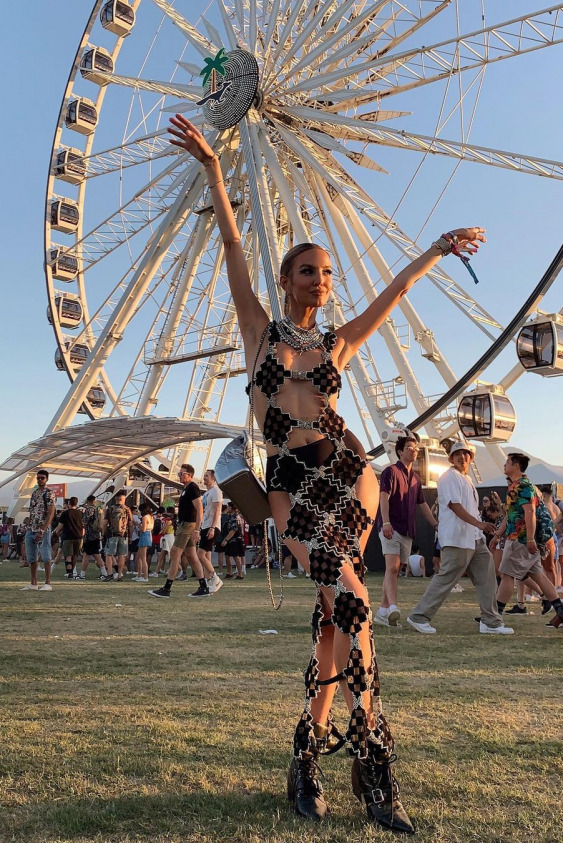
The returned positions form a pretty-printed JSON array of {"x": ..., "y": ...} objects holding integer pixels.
[{"x": 276, "y": 605}]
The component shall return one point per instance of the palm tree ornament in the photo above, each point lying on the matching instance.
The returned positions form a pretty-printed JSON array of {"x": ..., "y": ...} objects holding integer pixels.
[{"x": 214, "y": 66}]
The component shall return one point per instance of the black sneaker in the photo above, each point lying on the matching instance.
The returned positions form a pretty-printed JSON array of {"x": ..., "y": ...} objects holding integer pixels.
[
  {"x": 201, "y": 592},
  {"x": 160, "y": 592},
  {"x": 517, "y": 610},
  {"x": 546, "y": 606},
  {"x": 109, "y": 578}
]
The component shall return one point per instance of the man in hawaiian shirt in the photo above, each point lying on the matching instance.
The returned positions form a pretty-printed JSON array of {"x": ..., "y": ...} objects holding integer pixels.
[
  {"x": 521, "y": 556},
  {"x": 38, "y": 533}
]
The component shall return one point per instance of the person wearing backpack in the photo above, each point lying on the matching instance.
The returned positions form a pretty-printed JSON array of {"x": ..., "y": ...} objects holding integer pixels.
[
  {"x": 119, "y": 530},
  {"x": 526, "y": 531},
  {"x": 93, "y": 522}
]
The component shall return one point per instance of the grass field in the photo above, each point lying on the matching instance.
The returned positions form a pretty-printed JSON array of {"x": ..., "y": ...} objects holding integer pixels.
[{"x": 125, "y": 718}]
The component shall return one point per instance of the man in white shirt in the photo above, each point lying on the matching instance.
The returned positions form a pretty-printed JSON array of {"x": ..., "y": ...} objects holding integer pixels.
[
  {"x": 460, "y": 533},
  {"x": 209, "y": 582}
]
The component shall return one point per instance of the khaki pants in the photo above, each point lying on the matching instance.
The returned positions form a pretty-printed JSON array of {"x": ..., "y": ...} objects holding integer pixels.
[{"x": 454, "y": 561}]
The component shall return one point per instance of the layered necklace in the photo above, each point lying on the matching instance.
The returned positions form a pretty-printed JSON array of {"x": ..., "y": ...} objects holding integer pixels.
[{"x": 301, "y": 339}]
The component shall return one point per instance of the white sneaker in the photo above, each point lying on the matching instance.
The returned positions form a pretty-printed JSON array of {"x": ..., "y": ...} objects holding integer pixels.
[
  {"x": 495, "y": 630},
  {"x": 46, "y": 587},
  {"x": 425, "y": 628},
  {"x": 214, "y": 584},
  {"x": 394, "y": 616},
  {"x": 380, "y": 619},
  {"x": 290, "y": 576},
  {"x": 41, "y": 568},
  {"x": 457, "y": 589},
  {"x": 30, "y": 587},
  {"x": 153, "y": 574},
  {"x": 141, "y": 579}
]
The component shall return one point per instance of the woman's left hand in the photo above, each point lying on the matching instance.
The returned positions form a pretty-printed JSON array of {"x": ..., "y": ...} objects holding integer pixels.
[{"x": 469, "y": 239}]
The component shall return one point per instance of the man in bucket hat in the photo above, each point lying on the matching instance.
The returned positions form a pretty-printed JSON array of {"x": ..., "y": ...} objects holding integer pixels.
[{"x": 460, "y": 533}]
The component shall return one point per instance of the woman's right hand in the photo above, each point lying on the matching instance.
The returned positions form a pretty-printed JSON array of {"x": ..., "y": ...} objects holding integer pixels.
[{"x": 190, "y": 138}]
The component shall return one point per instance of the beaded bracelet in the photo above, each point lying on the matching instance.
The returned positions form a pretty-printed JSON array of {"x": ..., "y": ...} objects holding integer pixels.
[{"x": 448, "y": 244}]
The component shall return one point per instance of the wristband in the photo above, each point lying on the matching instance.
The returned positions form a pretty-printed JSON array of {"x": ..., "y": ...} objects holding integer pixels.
[{"x": 387, "y": 524}]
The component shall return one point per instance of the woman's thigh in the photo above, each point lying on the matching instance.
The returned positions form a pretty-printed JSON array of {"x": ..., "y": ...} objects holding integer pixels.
[{"x": 280, "y": 505}]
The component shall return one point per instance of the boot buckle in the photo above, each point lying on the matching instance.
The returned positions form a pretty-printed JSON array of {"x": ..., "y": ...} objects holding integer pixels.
[{"x": 377, "y": 796}]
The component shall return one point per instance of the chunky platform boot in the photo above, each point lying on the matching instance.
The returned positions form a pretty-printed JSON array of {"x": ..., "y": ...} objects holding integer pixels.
[
  {"x": 374, "y": 783},
  {"x": 304, "y": 789}
]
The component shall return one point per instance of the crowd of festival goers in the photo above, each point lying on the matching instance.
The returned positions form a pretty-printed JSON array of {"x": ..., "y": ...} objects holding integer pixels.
[{"x": 497, "y": 545}]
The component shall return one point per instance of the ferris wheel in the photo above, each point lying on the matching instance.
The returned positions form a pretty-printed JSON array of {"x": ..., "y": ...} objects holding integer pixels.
[{"x": 304, "y": 102}]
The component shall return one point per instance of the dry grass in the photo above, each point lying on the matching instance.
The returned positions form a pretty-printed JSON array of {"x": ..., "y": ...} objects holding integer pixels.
[{"x": 126, "y": 718}]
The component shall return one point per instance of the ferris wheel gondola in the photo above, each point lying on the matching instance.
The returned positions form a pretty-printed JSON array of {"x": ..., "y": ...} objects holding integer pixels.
[
  {"x": 69, "y": 166},
  {"x": 65, "y": 215},
  {"x": 118, "y": 17},
  {"x": 540, "y": 345},
  {"x": 487, "y": 415},
  {"x": 95, "y": 65},
  {"x": 77, "y": 354},
  {"x": 64, "y": 263},
  {"x": 67, "y": 311},
  {"x": 96, "y": 399},
  {"x": 81, "y": 116}
]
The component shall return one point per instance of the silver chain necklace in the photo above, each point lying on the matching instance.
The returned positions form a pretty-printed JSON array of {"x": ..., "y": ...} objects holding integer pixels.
[{"x": 301, "y": 339}]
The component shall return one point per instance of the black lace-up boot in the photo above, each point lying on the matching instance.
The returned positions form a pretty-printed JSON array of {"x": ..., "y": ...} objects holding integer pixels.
[
  {"x": 304, "y": 789},
  {"x": 374, "y": 783}
]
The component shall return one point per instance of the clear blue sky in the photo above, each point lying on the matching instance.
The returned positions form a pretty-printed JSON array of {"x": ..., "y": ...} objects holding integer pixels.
[{"x": 519, "y": 110}]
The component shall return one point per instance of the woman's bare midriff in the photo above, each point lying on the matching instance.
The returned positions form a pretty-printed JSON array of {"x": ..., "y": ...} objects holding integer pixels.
[{"x": 299, "y": 398}]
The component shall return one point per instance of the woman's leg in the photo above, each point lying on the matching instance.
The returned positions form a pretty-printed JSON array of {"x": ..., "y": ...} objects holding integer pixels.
[{"x": 346, "y": 644}]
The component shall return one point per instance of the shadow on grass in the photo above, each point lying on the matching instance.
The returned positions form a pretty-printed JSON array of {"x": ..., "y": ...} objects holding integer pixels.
[{"x": 198, "y": 815}]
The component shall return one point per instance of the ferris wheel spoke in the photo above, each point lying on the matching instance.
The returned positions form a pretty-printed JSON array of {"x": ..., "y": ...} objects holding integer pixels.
[
  {"x": 140, "y": 212},
  {"x": 199, "y": 42},
  {"x": 190, "y": 68},
  {"x": 359, "y": 158},
  {"x": 174, "y": 89},
  {"x": 357, "y": 44},
  {"x": 213, "y": 34},
  {"x": 356, "y": 129},
  {"x": 316, "y": 18},
  {"x": 390, "y": 41},
  {"x": 271, "y": 84},
  {"x": 470, "y": 152},
  {"x": 239, "y": 17},
  {"x": 112, "y": 331},
  {"x": 285, "y": 33},
  {"x": 426, "y": 65},
  {"x": 340, "y": 183},
  {"x": 149, "y": 147},
  {"x": 270, "y": 21}
]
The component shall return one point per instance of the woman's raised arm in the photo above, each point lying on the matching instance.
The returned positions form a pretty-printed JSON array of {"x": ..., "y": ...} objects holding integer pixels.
[
  {"x": 359, "y": 329},
  {"x": 252, "y": 317}
]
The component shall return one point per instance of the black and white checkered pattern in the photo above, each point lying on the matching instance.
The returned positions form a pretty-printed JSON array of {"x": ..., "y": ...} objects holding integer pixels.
[{"x": 327, "y": 518}]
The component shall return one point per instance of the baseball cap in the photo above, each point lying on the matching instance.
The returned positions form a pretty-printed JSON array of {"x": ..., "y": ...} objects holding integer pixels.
[{"x": 462, "y": 446}]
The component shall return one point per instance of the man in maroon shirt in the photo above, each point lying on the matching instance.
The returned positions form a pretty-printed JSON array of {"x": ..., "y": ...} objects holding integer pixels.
[{"x": 401, "y": 494}]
